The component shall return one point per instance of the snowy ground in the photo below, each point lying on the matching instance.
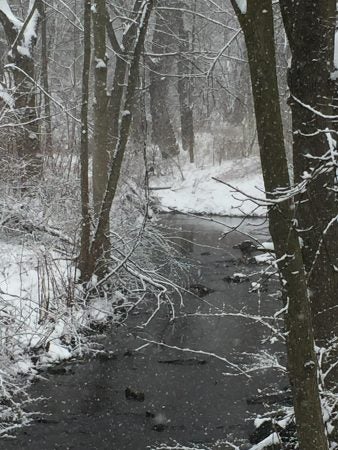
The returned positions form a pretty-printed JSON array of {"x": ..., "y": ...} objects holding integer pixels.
[
  {"x": 35, "y": 315},
  {"x": 200, "y": 193}
]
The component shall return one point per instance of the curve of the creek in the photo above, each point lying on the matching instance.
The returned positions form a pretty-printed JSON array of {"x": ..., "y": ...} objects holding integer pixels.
[{"x": 190, "y": 399}]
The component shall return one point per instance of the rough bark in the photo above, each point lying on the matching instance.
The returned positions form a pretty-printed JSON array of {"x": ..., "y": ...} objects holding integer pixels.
[
  {"x": 97, "y": 247},
  {"x": 120, "y": 73},
  {"x": 257, "y": 25},
  {"x": 100, "y": 153},
  {"x": 84, "y": 153},
  {"x": 22, "y": 71},
  {"x": 310, "y": 27}
]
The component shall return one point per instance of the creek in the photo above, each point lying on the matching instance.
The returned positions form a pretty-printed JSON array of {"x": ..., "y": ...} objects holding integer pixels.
[{"x": 184, "y": 397}]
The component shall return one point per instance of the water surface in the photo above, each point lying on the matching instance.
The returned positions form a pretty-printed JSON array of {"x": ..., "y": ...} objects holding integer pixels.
[{"x": 188, "y": 398}]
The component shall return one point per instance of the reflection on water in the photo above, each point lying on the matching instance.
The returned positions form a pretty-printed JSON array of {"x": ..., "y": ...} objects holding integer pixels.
[{"x": 188, "y": 397}]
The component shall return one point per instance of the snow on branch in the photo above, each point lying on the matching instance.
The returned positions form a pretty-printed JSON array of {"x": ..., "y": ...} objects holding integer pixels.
[
  {"x": 242, "y": 5},
  {"x": 315, "y": 111},
  {"x": 26, "y": 37},
  {"x": 37, "y": 85},
  {"x": 177, "y": 446},
  {"x": 6, "y": 96},
  {"x": 7, "y": 13},
  {"x": 21, "y": 35}
]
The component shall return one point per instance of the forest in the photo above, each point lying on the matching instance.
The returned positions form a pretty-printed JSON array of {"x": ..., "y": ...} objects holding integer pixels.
[{"x": 168, "y": 224}]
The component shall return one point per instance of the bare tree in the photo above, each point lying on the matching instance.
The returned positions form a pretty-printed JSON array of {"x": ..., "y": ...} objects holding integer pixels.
[
  {"x": 163, "y": 135},
  {"x": 256, "y": 20},
  {"x": 45, "y": 80},
  {"x": 184, "y": 87},
  {"x": 100, "y": 154},
  {"x": 310, "y": 29},
  {"x": 84, "y": 152},
  {"x": 21, "y": 37},
  {"x": 121, "y": 122}
]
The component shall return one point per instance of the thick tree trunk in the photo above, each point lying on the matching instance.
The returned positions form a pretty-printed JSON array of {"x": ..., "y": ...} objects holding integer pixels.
[
  {"x": 101, "y": 156},
  {"x": 257, "y": 25},
  {"x": 27, "y": 138},
  {"x": 310, "y": 28},
  {"x": 22, "y": 41}
]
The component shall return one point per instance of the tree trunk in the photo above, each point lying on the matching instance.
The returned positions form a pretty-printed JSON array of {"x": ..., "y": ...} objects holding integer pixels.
[
  {"x": 257, "y": 25},
  {"x": 100, "y": 154},
  {"x": 97, "y": 247},
  {"x": 163, "y": 135},
  {"x": 22, "y": 70},
  {"x": 44, "y": 73},
  {"x": 120, "y": 73},
  {"x": 84, "y": 260},
  {"x": 310, "y": 27},
  {"x": 183, "y": 87}
]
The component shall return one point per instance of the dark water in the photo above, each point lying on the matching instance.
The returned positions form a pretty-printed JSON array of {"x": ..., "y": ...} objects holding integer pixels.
[{"x": 193, "y": 398}]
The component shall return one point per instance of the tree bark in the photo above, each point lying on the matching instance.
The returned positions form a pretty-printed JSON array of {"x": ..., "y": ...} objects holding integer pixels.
[
  {"x": 257, "y": 25},
  {"x": 97, "y": 246},
  {"x": 22, "y": 69},
  {"x": 120, "y": 73},
  {"x": 163, "y": 135},
  {"x": 84, "y": 260},
  {"x": 45, "y": 83},
  {"x": 183, "y": 87},
  {"x": 310, "y": 27},
  {"x": 100, "y": 153}
]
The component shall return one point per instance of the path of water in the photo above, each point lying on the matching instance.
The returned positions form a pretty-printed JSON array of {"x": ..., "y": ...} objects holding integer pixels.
[{"x": 188, "y": 397}]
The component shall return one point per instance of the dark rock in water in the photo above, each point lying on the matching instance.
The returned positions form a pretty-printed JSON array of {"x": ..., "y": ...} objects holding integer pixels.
[
  {"x": 184, "y": 362},
  {"x": 97, "y": 327},
  {"x": 200, "y": 290},
  {"x": 131, "y": 394},
  {"x": 57, "y": 370},
  {"x": 246, "y": 247},
  {"x": 159, "y": 427},
  {"x": 150, "y": 414}
]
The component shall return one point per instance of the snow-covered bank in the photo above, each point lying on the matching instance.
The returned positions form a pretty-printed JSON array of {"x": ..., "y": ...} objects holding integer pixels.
[
  {"x": 200, "y": 193},
  {"x": 46, "y": 316}
]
